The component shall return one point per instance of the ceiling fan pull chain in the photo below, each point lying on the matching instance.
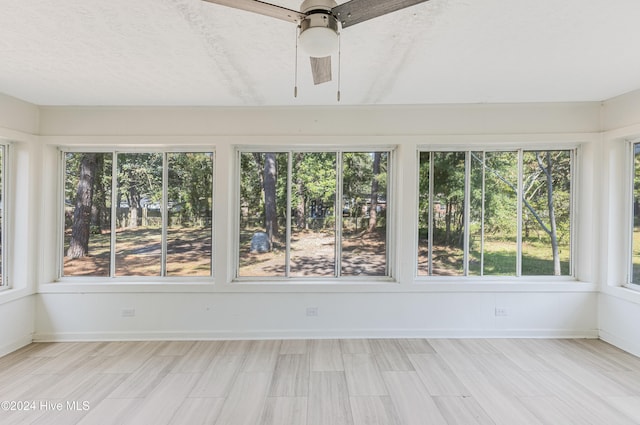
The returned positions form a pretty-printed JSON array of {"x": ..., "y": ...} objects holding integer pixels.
[
  {"x": 339, "y": 56},
  {"x": 295, "y": 74}
]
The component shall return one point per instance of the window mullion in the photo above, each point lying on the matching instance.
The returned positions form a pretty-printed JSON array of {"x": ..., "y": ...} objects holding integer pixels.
[
  {"x": 164, "y": 219},
  {"x": 484, "y": 162},
  {"x": 430, "y": 217},
  {"x": 114, "y": 199},
  {"x": 467, "y": 209},
  {"x": 338, "y": 213},
  {"x": 520, "y": 198}
]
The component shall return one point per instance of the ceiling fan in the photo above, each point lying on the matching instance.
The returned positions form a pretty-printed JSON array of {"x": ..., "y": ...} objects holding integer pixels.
[{"x": 319, "y": 23}]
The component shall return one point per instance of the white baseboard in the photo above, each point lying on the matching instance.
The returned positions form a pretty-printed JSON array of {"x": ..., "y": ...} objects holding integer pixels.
[
  {"x": 15, "y": 345},
  {"x": 312, "y": 334},
  {"x": 632, "y": 347}
]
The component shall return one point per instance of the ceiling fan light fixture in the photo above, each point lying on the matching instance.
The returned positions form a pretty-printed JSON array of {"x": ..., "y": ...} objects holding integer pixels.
[{"x": 319, "y": 35}]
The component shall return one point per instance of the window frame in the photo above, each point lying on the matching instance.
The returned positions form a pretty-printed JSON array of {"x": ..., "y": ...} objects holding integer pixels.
[
  {"x": 114, "y": 151},
  {"x": 629, "y": 283},
  {"x": 520, "y": 149},
  {"x": 4, "y": 228},
  {"x": 340, "y": 279}
]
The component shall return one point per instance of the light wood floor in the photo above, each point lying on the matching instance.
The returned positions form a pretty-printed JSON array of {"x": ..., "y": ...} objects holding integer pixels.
[{"x": 322, "y": 382}]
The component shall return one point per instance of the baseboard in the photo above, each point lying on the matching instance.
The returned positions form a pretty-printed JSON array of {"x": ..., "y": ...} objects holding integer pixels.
[
  {"x": 632, "y": 347},
  {"x": 15, "y": 345},
  {"x": 311, "y": 334}
]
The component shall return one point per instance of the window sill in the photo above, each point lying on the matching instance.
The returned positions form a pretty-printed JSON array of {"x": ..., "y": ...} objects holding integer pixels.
[
  {"x": 9, "y": 294},
  {"x": 302, "y": 286},
  {"x": 629, "y": 292}
]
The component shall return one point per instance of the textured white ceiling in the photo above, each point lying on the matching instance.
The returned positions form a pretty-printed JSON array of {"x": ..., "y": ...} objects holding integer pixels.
[{"x": 189, "y": 52}]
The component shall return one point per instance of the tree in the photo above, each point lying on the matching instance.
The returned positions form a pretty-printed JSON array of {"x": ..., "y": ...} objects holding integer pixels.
[
  {"x": 373, "y": 212},
  {"x": 270, "y": 205},
  {"x": 79, "y": 245}
]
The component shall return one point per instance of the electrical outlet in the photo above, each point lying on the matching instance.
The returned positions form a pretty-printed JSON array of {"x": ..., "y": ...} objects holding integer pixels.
[
  {"x": 312, "y": 311},
  {"x": 501, "y": 312},
  {"x": 128, "y": 312}
]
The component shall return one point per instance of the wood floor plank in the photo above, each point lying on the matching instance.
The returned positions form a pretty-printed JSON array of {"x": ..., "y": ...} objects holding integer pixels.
[
  {"x": 416, "y": 346},
  {"x": 198, "y": 358},
  {"x": 174, "y": 348},
  {"x": 291, "y": 376},
  {"x": 594, "y": 410},
  {"x": 363, "y": 375},
  {"x": 462, "y": 411},
  {"x": 373, "y": 410},
  {"x": 218, "y": 379},
  {"x": 453, "y": 355},
  {"x": 284, "y": 411},
  {"x": 551, "y": 410},
  {"x": 355, "y": 346},
  {"x": 326, "y": 355},
  {"x": 198, "y": 411},
  {"x": 261, "y": 356},
  {"x": 411, "y": 400},
  {"x": 234, "y": 348},
  {"x": 329, "y": 399},
  {"x": 295, "y": 346},
  {"x": 245, "y": 402},
  {"x": 163, "y": 402},
  {"x": 501, "y": 406},
  {"x": 390, "y": 355},
  {"x": 437, "y": 376},
  {"x": 111, "y": 411},
  {"x": 516, "y": 352},
  {"x": 141, "y": 382},
  {"x": 630, "y": 406}
]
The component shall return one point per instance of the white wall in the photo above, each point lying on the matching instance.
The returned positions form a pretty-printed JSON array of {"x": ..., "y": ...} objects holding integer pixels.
[
  {"x": 618, "y": 307},
  {"x": 19, "y": 126},
  {"x": 409, "y": 306}
]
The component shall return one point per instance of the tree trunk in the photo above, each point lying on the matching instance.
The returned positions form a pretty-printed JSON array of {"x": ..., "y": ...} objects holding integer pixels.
[
  {"x": 373, "y": 211},
  {"x": 301, "y": 209},
  {"x": 270, "y": 207},
  {"x": 80, "y": 230},
  {"x": 134, "y": 202}
]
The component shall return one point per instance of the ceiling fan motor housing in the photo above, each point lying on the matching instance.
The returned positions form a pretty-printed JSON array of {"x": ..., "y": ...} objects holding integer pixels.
[{"x": 319, "y": 29}]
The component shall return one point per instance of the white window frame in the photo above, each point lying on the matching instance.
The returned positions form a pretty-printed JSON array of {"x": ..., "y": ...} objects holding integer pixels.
[
  {"x": 4, "y": 228},
  {"x": 112, "y": 276},
  {"x": 630, "y": 211},
  {"x": 519, "y": 149},
  {"x": 337, "y": 278}
]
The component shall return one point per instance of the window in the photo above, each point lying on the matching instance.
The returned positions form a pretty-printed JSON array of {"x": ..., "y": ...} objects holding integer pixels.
[
  {"x": 138, "y": 214},
  {"x": 3, "y": 227},
  {"x": 473, "y": 222},
  {"x": 635, "y": 242},
  {"x": 306, "y": 214}
]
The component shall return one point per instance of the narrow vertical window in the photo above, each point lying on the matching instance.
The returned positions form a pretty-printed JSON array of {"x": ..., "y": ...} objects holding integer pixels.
[
  {"x": 87, "y": 214},
  {"x": 189, "y": 212},
  {"x": 635, "y": 245},
  {"x": 546, "y": 213},
  {"x": 3, "y": 279},
  {"x": 313, "y": 214}
]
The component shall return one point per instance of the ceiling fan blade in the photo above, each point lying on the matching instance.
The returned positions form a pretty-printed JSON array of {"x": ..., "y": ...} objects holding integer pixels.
[
  {"x": 262, "y": 8},
  {"x": 321, "y": 69},
  {"x": 356, "y": 11}
]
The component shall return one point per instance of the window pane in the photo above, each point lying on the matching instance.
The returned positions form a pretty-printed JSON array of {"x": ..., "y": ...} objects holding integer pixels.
[
  {"x": 87, "y": 212},
  {"x": 189, "y": 204},
  {"x": 263, "y": 204},
  {"x": 448, "y": 213},
  {"x": 546, "y": 213},
  {"x": 494, "y": 207},
  {"x": 423, "y": 215},
  {"x": 364, "y": 206},
  {"x": 139, "y": 220},
  {"x": 635, "y": 278},
  {"x": 313, "y": 220}
]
